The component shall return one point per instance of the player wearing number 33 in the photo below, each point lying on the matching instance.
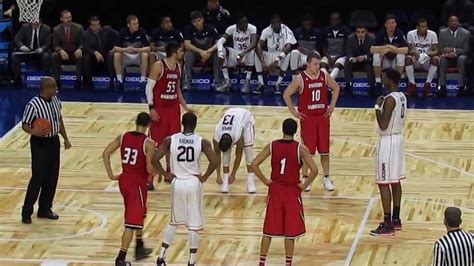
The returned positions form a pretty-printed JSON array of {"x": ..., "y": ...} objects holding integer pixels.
[
  {"x": 164, "y": 97},
  {"x": 314, "y": 111},
  {"x": 236, "y": 127}
]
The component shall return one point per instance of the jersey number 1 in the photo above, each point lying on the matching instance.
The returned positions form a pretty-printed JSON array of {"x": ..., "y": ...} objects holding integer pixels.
[
  {"x": 130, "y": 156},
  {"x": 282, "y": 166}
]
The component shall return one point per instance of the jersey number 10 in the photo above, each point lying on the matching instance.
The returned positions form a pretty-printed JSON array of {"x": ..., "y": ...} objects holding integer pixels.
[
  {"x": 130, "y": 156},
  {"x": 316, "y": 95}
]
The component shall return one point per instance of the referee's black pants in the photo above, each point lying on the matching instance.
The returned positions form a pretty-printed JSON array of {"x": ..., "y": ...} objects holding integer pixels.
[{"x": 45, "y": 172}]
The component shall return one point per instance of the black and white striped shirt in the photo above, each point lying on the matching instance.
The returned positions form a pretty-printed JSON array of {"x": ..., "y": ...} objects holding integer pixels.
[
  {"x": 454, "y": 249},
  {"x": 38, "y": 107}
]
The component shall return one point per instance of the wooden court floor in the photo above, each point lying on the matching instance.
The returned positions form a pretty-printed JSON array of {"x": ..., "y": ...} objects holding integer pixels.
[{"x": 440, "y": 168}]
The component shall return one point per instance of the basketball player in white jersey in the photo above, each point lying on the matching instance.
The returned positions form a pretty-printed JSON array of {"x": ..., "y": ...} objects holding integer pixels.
[
  {"x": 280, "y": 40},
  {"x": 244, "y": 37},
  {"x": 186, "y": 183},
  {"x": 236, "y": 127},
  {"x": 423, "y": 54},
  {"x": 390, "y": 152}
]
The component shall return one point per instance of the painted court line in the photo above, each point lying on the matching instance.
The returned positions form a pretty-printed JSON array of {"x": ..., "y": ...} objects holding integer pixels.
[
  {"x": 360, "y": 231},
  {"x": 10, "y": 132}
]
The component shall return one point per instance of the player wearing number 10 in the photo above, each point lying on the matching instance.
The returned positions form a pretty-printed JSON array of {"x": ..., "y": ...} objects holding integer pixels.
[
  {"x": 136, "y": 152},
  {"x": 163, "y": 93},
  {"x": 314, "y": 111}
]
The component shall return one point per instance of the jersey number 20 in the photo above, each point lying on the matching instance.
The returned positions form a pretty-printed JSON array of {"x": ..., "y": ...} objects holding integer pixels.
[
  {"x": 130, "y": 156},
  {"x": 186, "y": 154}
]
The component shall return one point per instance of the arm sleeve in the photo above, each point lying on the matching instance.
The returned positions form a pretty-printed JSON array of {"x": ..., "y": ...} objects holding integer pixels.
[{"x": 149, "y": 91}]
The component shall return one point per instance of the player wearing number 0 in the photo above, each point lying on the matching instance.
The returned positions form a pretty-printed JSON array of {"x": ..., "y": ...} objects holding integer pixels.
[
  {"x": 314, "y": 111},
  {"x": 390, "y": 152},
  {"x": 285, "y": 216},
  {"x": 136, "y": 152},
  {"x": 186, "y": 183},
  {"x": 164, "y": 97},
  {"x": 244, "y": 38},
  {"x": 236, "y": 127}
]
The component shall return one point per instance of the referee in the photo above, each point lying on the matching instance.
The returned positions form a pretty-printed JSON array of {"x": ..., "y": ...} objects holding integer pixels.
[
  {"x": 45, "y": 147},
  {"x": 455, "y": 248}
]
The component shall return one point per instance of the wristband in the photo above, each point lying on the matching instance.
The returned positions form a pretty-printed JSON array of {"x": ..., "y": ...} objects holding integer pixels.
[{"x": 377, "y": 107}]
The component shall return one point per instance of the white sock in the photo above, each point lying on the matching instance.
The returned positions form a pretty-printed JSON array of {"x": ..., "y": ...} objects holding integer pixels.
[
  {"x": 410, "y": 74},
  {"x": 225, "y": 177},
  {"x": 193, "y": 244},
  {"x": 119, "y": 78},
  {"x": 225, "y": 73},
  {"x": 142, "y": 78},
  {"x": 431, "y": 73},
  {"x": 248, "y": 75},
  {"x": 378, "y": 79},
  {"x": 251, "y": 177},
  {"x": 334, "y": 72},
  {"x": 169, "y": 233},
  {"x": 260, "y": 79},
  {"x": 279, "y": 80},
  {"x": 192, "y": 257}
]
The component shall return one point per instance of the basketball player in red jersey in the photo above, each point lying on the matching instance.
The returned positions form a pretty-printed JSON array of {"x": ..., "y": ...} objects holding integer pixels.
[
  {"x": 136, "y": 152},
  {"x": 164, "y": 97},
  {"x": 314, "y": 111},
  {"x": 284, "y": 215}
]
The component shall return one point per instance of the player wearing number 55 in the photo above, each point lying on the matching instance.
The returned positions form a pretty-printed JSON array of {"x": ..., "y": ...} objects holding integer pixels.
[
  {"x": 136, "y": 153},
  {"x": 42, "y": 119},
  {"x": 164, "y": 97}
]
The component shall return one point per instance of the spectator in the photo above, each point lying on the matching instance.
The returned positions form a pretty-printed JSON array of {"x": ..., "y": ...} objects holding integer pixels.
[
  {"x": 199, "y": 40},
  {"x": 454, "y": 48},
  {"x": 388, "y": 51},
  {"x": 98, "y": 55},
  {"x": 422, "y": 55},
  {"x": 244, "y": 37},
  {"x": 165, "y": 34},
  {"x": 309, "y": 40},
  {"x": 279, "y": 40},
  {"x": 67, "y": 46},
  {"x": 358, "y": 57},
  {"x": 32, "y": 44},
  {"x": 456, "y": 247},
  {"x": 334, "y": 46},
  {"x": 217, "y": 16},
  {"x": 132, "y": 49}
]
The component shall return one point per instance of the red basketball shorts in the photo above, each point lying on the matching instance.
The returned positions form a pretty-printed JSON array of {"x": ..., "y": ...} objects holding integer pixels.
[
  {"x": 285, "y": 216},
  {"x": 169, "y": 123},
  {"x": 315, "y": 133},
  {"x": 134, "y": 198}
]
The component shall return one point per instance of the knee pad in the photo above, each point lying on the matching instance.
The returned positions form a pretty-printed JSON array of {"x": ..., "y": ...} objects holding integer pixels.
[
  {"x": 377, "y": 60},
  {"x": 248, "y": 154}
]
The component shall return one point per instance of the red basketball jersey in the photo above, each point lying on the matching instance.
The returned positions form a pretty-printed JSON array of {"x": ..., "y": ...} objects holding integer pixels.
[
  {"x": 132, "y": 152},
  {"x": 313, "y": 99},
  {"x": 286, "y": 162},
  {"x": 165, "y": 92}
]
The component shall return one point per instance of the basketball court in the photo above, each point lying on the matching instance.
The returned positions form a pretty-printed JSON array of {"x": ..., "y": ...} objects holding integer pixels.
[{"x": 439, "y": 145}]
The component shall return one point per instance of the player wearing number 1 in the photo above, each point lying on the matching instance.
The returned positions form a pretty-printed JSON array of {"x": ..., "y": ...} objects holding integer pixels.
[
  {"x": 390, "y": 152},
  {"x": 186, "y": 183},
  {"x": 164, "y": 97},
  {"x": 314, "y": 111},
  {"x": 136, "y": 152},
  {"x": 284, "y": 216}
]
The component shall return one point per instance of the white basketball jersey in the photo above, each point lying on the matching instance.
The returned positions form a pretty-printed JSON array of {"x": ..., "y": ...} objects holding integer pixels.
[
  {"x": 423, "y": 44},
  {"x": 276, "y": 41},
  {"x": 397, "y": 120},
  {"x": 241, "y": 39},
  {"x": 232, "y": 123},
  {"x": 185, "y": 152}
]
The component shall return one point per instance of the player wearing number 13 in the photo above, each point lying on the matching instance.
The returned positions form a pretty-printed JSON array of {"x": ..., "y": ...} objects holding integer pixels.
[
  {"x": 314, "y": 110},
  {"x": 390, "y": 152}
]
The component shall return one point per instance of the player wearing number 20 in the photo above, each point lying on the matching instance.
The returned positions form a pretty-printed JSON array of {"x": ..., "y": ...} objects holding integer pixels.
[{"x": 164, "y": 96}]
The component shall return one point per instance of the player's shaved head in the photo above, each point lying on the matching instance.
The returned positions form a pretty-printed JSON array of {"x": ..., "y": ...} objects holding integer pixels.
[
  {"x": 48, "y": 87},
  {"x": 289, "y": 126},
  {"x": 225, "y": 142},
  {"x": 143, "y": 119},
  {"x": 189, "y": 121},
  {"x": 452, "y": 217}
]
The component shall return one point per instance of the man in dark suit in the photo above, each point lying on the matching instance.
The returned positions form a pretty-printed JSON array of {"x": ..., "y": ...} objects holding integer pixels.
[
  {"x": 32, "y": 45},
  {"x": 358, "y": 57},
  {"x": 454, "y": 48},
  {"x": 98, "y": 44},
  {"x": 67, "y": 46}
]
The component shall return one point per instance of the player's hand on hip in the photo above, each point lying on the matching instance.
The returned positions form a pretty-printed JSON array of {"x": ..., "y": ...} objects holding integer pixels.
[
  {"x": 379, "y": 100},
  {"x": 67, "y": 144},
  {"x": 169, "y": 177},
  {"x": 299, "y": 115},
  {"x": 267, "y": 182},
  {"x": 301, "y": 186},
  {"x": 154, "y": 115},
  {"x": 200, "y": 178},
  {"x": 114, "y": 177},
  {"x": 329, "y": 111}
]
